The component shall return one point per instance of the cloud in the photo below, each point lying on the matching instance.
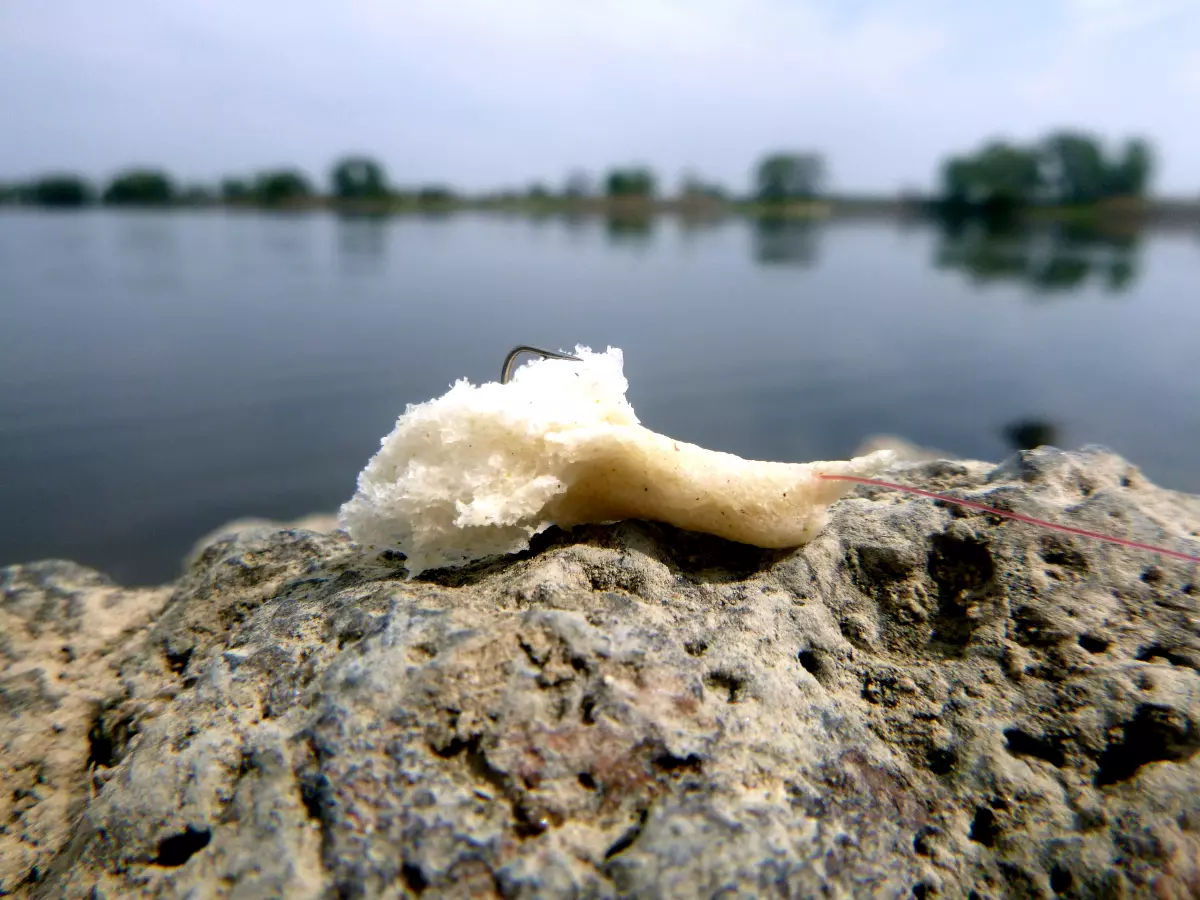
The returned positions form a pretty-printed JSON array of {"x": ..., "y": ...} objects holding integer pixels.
[
  {"x": 485, "y": 93},
  {"x": 1092, "y": 21}
]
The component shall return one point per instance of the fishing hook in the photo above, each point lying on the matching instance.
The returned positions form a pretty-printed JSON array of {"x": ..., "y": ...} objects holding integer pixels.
[{"x": 506, "y": 372}]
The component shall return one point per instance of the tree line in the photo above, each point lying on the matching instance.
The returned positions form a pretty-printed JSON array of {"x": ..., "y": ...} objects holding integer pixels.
[
  {"x": 1063, "y": 169},
  {"x": 779, "y": 178}
]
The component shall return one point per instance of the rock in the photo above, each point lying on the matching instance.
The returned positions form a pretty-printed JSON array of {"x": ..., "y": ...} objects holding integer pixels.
[
  {"x": 903, "y": 449},
  {"x": 63, "y": 629},
  {"x": 924, "y": 701},
  {"x": 318, "y": 522}
]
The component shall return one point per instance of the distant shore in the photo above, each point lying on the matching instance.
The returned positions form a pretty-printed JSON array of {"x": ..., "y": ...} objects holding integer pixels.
[{"x": 1120, "y": 213}]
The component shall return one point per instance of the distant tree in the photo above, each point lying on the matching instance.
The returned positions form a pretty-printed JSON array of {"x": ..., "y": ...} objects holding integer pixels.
[
  {"x": 434, "y": 195},
  {"x": 578, "y": 186},
  {"x": 693, "y": 187},
  {"x": 281, "y": 187},
  {"x": 631, "y": 182},
  {"x": 197, "y": 195},
  {"x": 957, "y": 175},
  {"x": 8, "y": 193},
  {"x": 1063, "y": 168},
  {"x": 1001, "y": 175},
  {"x": 784, "y": 177},
  {"x": 358, "y": 178},
  {"x": 236, "y": 190},
  {"x": 538, "y": 192},
  {"x": 1130, "y": 175},
  {"x": 140, "y": 187},
  {"x": 1073, "y": 168},
  {"x": 59, "y": 190}
]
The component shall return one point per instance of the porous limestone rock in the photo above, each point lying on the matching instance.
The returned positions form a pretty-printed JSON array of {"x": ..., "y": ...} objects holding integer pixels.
[
  {"x": 321, "y": 523},
  {"x": 923, "y": 701}
]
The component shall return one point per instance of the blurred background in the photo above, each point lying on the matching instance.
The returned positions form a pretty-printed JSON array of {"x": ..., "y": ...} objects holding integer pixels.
[{"x": 236, "y": 239}]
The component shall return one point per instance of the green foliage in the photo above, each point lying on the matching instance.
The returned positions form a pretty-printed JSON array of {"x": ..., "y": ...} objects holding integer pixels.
[
  {"x": 197, "y": 195},
  {"x": 1074, "y": 170},
  {"x": 59, "y": 190},
  {"x": 8, "y": 193},
  {"x": 435, "y": 195},
  {"x": 281, "y": 187},
  {"x": 1064, "y": 168},
  {"x": 692, "y": 187},
  {"x": 358, "y": 178},
  {"x": 1130, "y": 176},
  {"x": 236, "y": 190},
  {"x": 538, "y": 192},
  {"x": 578, "y": 186},
  {"x": 632, "y": 182},
  {"x": 140, "y": 187},
  {"x": 788, "y": 177},
  {"x": 1000, "y": 173}
]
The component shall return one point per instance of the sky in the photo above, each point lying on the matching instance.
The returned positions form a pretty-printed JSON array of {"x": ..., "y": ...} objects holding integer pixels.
[{"x": 487, "y": 94}]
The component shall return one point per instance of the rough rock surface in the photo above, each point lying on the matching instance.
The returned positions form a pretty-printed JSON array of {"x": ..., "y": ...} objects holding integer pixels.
[{"x": 925, "y": 701}]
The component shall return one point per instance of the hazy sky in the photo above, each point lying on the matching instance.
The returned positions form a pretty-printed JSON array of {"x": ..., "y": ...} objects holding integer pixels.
[{"x": 487, "y": 93}]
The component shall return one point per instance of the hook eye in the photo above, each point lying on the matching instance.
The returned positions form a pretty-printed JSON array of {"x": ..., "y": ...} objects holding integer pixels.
[{"x": 510, "y": 360}]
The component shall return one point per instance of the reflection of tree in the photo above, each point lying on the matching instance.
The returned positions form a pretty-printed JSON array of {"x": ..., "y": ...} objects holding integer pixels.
[
  {"x": 785, "y": 241},
  {"x": 1050, "y": 260},
  {"x": 691, "y": 226},
  {"x": 578, "y": 186},
  {"x": 630, "y": 230},
  {"x": 362, "y": 239},
  {"x": 575, "y": 223},
  {"x": 1029, "y": 434}
]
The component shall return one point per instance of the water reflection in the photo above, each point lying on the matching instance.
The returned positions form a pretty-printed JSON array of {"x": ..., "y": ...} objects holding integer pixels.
[
  {"x": 693, "y": 231},
  {"x": 270, "y": 345},
  {"x": 576, "y": 225},
  {"x": 696, "y": 225},
  {"x": 287, "y": 236},
  {"x": 148, "y": 249},
  {"x": 362, "y": 241},
  {"x": 631, "y": 230},
  {"x": 148, "y": 237},
  {"x": 785, "y": 241},
  {"x": 1050, "y": 259}
]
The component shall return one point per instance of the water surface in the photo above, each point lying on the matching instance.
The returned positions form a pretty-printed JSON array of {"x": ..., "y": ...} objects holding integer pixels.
[{"x": 163, "y": 373}]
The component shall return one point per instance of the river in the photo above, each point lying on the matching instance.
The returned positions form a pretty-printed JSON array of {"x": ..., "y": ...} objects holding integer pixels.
[{"x": 164, "y": 373}]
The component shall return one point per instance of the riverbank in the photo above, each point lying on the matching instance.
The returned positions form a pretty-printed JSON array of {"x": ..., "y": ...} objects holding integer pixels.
[{"x": 1115, "y": 216}]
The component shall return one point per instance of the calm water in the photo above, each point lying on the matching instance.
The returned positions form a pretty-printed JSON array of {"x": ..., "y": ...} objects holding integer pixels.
[{"x": 161, "y": 374}]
